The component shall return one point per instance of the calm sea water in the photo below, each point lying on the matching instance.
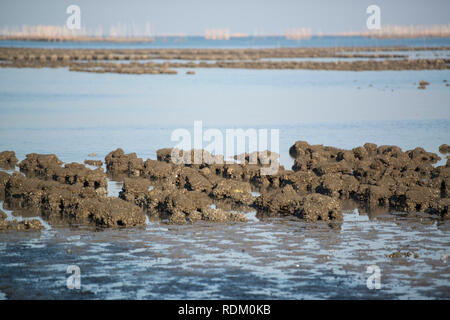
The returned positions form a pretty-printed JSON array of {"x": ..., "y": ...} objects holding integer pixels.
[
  {"x": 246, "y": 42},
  {"x": 73, "y": 114}
]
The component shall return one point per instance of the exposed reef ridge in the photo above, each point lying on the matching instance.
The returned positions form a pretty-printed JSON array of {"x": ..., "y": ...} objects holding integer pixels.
[
  {"x": 321, "y": 180},
  {"x": 166, "y": 61}
]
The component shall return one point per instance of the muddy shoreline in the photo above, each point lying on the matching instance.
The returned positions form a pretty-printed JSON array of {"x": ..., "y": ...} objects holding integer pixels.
[{"x": 273, "y": 258}]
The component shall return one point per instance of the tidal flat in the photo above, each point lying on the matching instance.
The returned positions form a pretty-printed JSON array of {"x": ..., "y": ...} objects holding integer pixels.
[{"x": 393, "y": 96}]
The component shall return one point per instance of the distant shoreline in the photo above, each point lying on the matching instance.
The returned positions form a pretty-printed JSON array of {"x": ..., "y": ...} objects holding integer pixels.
[
  {"x": 79, "y": 39},
  {"x": 113, "y": 39}
]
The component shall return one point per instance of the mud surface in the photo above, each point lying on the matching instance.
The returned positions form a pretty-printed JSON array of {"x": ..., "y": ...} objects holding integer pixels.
[
  {"x": 193, "y": 244},
  {"x": 166, "y": 61},
  {"x": 262, "y": 259}
]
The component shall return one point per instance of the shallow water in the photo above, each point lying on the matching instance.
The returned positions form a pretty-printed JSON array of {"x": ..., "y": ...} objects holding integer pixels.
[
  {"x": 73, "y": 114},
  {"x": 268, "y": 259},
  {"x": 243, "y": 43}
]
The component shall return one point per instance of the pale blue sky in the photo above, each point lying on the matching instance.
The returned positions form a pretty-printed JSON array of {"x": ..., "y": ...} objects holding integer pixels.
[{"x": 192, "y": 17}]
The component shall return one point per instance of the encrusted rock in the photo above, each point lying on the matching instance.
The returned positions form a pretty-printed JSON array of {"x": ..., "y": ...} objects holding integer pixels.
[
  {"x": 441, "y": 208},
  {"x": 415, "y": 199},
  {"x": 238, "y": 191},
  {"x": 284, "y": 200},
  {"x": 118, "y": 163},
  {"x": 316, "y": 207},
  {"x": 207, "y": 215},
  {"x": 75, "y": 173},
  {"x": 218, "y": 215},
  {"x": 23, "y": 225},
  {"x": 111, "y": 212},
  {"x": 135, "y": 191},
  {"x": 195, "y": 180},
  {"x": 160, "y": 171},
  {"x": 8, "y": 159},
  {"x": 24, "y": 193},
  {"x": 4, "y": 177},
  {"x": 374, "y": 176},
  {"x": 310, "y": 207},
  {"x": 444, "y": 148},
  {"x": 301, "y": 181},
  {"x": 95, "y": 163},
  {"x": 39, "y": 165}
]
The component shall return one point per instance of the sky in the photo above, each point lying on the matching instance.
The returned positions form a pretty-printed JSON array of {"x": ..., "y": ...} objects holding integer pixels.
[{"x": 254, "y": 17}]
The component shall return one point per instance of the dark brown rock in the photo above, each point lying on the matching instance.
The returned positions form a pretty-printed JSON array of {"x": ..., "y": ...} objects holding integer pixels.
[
  {"x": 95, "y": 163},
  {"x": 284, "y": 200},
  {"x": 315, "y": 207},
  {"x": 301, "y": 181},
  {"x": 8, "y": 159},
  {"x": 4, "y": 177},
  {"x": 415, "y": 199},
  {"x": 23, "y": 225},
  {"x": 421, "y": 155},
  {"x": 441, "y": 208},
  {"x": 135, "y": 191},
  {"x": 298, "y": 149},
  {"x": 444, "y": 148},
  {"x": 118, "y": 163},
  {"x": 194, "y": 180},
  {"x": 237, "y": 191},
  {"x": 164, "y": 154},
  {"x": 75, "y": 173},
  {"x": 161, "y": 171},
  {"x": 39, "y": 165},
  {"x": 111, "y": 213},
  {"x": 24, "y": 193}
]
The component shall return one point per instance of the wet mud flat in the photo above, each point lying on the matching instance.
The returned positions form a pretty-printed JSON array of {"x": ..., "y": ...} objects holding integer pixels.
[
  {"x": 166, "y": 61},
  {"x": 224, "y": 230},
  {"x": 272, "y": 258}
]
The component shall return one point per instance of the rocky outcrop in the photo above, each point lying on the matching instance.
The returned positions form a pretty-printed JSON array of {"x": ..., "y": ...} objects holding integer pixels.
[
  {"x": 321, "y": 180},
  {"x": 118, "y": 163},
  {"x": 109, "y": 60},
  {"x": 19, "y": 225},
  {"x": 49, "y": 167},
  {"x": 238, "y": 192},
  {"x": 23, "y": 225},
  {"x": 4, "y": 177},
  {"x": 70, "y": 201},
  {"x": 95, "y": 163},
  {"x": 39, "y": 165},
  {"x": 315, "y": 207},
  {"x": 310, "y": 207},
  {"x": 372, "y": 175},
  {"x": 8, "y": 159},
  {"x": 444, "y": 148}
]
